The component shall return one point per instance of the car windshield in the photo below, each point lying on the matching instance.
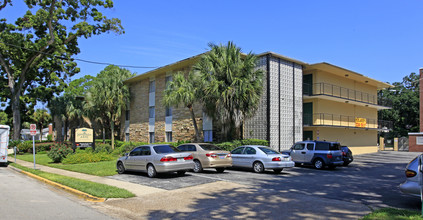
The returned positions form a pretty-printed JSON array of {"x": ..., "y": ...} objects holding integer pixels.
[
  {"x": 267, "y": 150},
  {"x": 163, "y": 149},
  {"x": 209, "y": 147}
]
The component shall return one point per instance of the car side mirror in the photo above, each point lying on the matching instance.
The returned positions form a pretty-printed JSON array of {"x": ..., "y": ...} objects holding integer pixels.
[{"x": 127, "y": 154}]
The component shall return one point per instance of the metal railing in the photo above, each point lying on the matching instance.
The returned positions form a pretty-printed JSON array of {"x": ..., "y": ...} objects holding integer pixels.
[
  {"x": 325, "y": 119},
  {"x": 342, "y": 92}
]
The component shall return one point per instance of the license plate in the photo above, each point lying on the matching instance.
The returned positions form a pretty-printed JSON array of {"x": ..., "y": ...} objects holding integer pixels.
[
  {"x": 181, "y": 160},
  {"x": 222, "y": 157}
]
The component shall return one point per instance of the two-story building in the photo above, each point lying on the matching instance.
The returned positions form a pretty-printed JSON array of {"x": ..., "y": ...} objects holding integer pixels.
[{"x": 299, "y": 101}]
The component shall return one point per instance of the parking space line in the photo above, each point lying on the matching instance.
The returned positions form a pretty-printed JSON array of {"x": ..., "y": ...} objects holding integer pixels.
[{"x": 213, "y": 178}]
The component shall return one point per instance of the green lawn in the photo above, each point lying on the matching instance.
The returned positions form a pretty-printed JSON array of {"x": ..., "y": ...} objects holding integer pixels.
[
  {"x": 95, "y": 189},
  {"x": 393, "y": 214},
  {"x": 105, "y": 168}
]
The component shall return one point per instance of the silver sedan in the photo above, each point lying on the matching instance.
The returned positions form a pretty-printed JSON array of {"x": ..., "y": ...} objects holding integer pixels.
[
  {"x": 260, "y": 158},
  {"x": 155, "y": 159},
  {"x": 411, "y": 185}
]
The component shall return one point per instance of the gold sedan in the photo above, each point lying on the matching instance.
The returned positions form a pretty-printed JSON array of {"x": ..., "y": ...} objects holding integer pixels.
[{"x": 208, "y": 156}]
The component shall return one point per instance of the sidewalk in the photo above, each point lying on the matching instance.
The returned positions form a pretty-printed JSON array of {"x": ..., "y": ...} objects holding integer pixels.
[{"x": 137, "y": 189}]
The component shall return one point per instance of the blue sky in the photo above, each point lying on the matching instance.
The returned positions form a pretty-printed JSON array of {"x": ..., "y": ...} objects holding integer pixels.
[{"x": 379, "y": 38}]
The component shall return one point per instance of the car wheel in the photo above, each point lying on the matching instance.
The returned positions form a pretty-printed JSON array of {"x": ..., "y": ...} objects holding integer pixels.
[
  {"x": 297, "y": 164},
  {"x": 220, "y": 170},
  {"x": 258, "y": 167},
  {"x": 120, "y": 168},
  {"x": 277, "y": 170},
  {"x": 181, "y": 172},
  {"x": 345, "y": 164},
  {"x": 198, "y": 168},
  {"x": 319, "y": 164},
  {"x": 151, "y": 171}
]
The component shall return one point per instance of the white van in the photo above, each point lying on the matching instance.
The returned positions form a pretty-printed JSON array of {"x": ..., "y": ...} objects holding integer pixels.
[{"x": 4, "y": 143}]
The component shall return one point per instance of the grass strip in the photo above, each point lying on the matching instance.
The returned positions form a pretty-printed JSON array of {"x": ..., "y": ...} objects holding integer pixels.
[
  {"x": 104, "y": 168},
  {"x": 95, "y": 189},
  {"x": 390, "y": 213}
]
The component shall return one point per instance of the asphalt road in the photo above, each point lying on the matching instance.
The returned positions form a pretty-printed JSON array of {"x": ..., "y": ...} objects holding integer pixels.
[
  {"x": 22, "y": 197},
  {"x": 371, "y": 180}
]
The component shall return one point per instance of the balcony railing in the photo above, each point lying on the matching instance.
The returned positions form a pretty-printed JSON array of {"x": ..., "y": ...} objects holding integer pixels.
[
  {"x": 343, "y": 93},
  {"x": 325, "y": 119}
]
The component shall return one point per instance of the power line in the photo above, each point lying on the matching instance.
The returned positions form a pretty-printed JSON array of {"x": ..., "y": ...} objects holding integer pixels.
[{"x": 82, "y": 60}]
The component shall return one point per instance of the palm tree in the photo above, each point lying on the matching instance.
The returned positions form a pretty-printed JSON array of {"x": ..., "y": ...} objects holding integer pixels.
[
  {"x": 108, "y": 96},
  {"x": 184, "y": 90},
  {"x": 41, "y": 117},
  {"x": 233, "y": 86}
]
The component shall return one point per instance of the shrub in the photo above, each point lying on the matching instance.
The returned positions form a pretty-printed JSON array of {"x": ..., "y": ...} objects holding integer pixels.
[
  {"x": 126, "y": 147},
  {"x": 255, "y": 142},
  {"x": 14, "y": 143},
  {"x": 229, "y": 146},
  {"x": 106, "y": 148},
  {"x": 87, "y": 157},
  {"x": 49, "y": 137},
  {"x": 58, "y": 152},
  {"x": 25, "y": 146}
]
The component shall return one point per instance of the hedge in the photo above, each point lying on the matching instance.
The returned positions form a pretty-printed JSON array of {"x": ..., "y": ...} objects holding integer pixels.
[{"x": 229, "y": 146}]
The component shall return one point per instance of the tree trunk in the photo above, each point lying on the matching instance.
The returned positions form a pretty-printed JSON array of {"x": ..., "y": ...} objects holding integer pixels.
[
  {"x": 41, "y": 133},
  {"x": 112, "y": 135},
  {"x": 104, "y": 135},
  {"x": 194, "y": 122},
  {"x": 16, "y": 115}
]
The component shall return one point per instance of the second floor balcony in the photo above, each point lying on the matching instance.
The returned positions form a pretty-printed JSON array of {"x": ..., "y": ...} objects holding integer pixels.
[
  {"x": 342, "y": 94},
  {"x": 333, "y": 120}
]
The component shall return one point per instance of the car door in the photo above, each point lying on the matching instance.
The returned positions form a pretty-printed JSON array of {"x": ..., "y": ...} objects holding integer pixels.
[
  {"x": 130, "y": 162},
  {"x": 309, "y": 153},
  {"x": 298, "y": 152},
  {"x": 249, "y": 156},
  {"x": 143, "y": 158},
  {"x": 237, "y": 156}
]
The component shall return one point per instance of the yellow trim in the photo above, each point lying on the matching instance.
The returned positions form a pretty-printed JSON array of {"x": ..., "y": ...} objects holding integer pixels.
[{"x": 78, "y": 193}]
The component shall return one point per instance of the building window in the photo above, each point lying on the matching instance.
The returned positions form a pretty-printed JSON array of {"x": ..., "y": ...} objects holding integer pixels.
[
  {"x": 208, "y": 135},
  {"x": 151, "y": 137},
  {"x": 169, "y": 136},
  {"x": 151, "y": 112},
  {"x": 168, "y": 111},
  {"x": 167, "y": 80},
  {"x": 127, "y": 115},
  {"x": 127, "y": 137},
  {"x": 152, "y": 86}
]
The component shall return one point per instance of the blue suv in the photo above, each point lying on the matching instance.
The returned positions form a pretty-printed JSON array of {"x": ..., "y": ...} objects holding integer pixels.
[{"x": 317, "y": 153}]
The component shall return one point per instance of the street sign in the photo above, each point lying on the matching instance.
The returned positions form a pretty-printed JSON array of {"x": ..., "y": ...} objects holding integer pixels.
[{"x": 33, "y": 129}]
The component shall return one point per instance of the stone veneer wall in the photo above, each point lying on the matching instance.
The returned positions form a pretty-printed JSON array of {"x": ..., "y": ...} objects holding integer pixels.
[{"x": 182, "y": 127}]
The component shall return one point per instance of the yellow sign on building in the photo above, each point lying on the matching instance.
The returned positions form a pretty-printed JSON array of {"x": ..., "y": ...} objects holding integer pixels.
[
  {"x": 84, "y": 135},
  {"x": 360, "y": 122}
]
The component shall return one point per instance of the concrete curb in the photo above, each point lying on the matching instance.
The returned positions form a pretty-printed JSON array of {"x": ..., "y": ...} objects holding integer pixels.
[{"x": 78, "y": 193}]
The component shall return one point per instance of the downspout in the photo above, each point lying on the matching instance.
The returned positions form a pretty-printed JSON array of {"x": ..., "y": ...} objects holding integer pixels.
[
  {"x": 279, "y": 107},
  {"x": 293, "y": 103},
  {"x": 268, "y": 56}
]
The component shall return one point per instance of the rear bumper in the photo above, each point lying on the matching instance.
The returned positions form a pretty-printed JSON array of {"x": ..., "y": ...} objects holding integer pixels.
[
  {"x": 172, "y": 167},
  {"x": 216, "y": 163},
  {"x": 279, "y": 165},
  {"x": 410, "y": 187},
  {"x": 335, "y": 163}
]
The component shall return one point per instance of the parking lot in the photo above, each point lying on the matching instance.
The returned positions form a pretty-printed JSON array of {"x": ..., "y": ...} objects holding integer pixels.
[{"x": 371, "y": 180}]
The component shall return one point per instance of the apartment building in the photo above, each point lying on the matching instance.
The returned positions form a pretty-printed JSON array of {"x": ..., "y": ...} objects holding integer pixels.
[{"x": 299, "y": 102}]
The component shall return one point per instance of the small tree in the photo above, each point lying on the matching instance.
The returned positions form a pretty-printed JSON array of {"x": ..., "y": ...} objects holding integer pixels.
[
  {"x": 233, "y": 86},
  {"x": 186, "y": 91},
  {"x": 108, "y": 96},
  {"x": 41, "y": 118}
]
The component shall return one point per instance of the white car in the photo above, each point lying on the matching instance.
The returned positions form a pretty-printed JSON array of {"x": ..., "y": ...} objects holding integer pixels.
[{"x": 260, "y": 158}]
